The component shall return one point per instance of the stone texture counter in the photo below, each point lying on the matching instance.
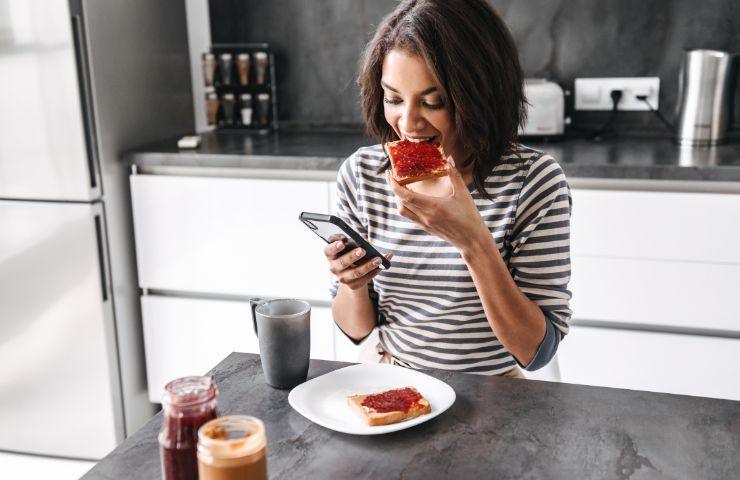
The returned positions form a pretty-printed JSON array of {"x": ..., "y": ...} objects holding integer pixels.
[
  {"x": 311, "y": 152},
  {"x": 497, "y": 428}
]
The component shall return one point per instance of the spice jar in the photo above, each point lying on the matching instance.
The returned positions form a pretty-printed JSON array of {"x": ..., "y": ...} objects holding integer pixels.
[
  {"x": 188, "y": 403},
  {"x": 232, "y": 448},
  {"x": 260, "y": 65},
  {"x": 242, "y": 68},
  {"x": 212, "y": 105},
  {"x": 246, "y": 108}
]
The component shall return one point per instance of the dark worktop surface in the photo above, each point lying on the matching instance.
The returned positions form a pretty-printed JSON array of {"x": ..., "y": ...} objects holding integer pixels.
[
  {"x": 615, "y": 158},
  {"x": 497, "y": 428}
]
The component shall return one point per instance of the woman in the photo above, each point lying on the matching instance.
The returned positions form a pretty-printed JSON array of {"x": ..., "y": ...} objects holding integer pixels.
[{"x": 481, "y": 261}]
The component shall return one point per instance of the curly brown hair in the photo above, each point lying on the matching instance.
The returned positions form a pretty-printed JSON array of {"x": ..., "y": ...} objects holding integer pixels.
[{"x": 470, "y": 52}]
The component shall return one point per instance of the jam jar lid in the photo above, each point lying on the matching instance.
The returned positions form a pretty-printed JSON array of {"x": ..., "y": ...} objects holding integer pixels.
[{"x": 186, "y": 391}]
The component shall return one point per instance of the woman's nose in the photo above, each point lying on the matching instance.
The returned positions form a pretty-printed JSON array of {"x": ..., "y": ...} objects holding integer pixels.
[{"x": 412, "y": 120}]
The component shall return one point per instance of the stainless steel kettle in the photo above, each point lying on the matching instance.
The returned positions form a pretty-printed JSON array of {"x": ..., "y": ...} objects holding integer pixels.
[{"x": 705, "y": 93}]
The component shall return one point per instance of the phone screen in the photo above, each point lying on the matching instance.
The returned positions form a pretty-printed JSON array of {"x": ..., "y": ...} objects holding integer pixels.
[{"x": 333, "y": 233}]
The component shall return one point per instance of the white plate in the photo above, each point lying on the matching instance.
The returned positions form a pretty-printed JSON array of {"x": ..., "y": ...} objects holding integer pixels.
[{"x": 323, "y": 400}]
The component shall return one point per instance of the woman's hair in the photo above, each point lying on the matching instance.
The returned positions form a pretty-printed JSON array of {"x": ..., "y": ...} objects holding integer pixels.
[{"x": 471, "y": 54}]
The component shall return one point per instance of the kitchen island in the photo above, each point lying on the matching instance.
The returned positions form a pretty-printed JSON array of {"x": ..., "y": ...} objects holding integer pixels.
[{"x": 497, "y": 428}]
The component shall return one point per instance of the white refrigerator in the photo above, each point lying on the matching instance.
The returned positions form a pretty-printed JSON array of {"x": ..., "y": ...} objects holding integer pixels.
[{"x": 81, "y": 82}]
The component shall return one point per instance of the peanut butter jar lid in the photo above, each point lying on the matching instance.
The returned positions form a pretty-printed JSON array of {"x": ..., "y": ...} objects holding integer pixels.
[{"x": 232, "y": 436}]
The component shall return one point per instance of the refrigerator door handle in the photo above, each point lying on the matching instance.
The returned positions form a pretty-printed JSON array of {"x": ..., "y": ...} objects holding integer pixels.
[
  {"x": 91, "y": 141},
  {"x": 101, "y": 256}
]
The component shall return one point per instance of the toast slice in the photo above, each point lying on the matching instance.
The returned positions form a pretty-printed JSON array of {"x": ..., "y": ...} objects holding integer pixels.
[
  {"x": 412, "y": 161},
  {"x": 391, "y": 406}
]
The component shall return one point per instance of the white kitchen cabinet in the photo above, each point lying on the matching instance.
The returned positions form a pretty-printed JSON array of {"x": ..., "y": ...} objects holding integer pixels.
[
  {"x": 658, "y": 362},
  {"x": 233, "y": 236},
  {"x": 189, "y": 336},
  {"x": 700, "y": 227},
  {"x": 658, "y": 259},
  {"x": 656, "y": 292}
]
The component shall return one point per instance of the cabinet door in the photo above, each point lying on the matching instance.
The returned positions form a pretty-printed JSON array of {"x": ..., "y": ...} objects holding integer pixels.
[
  {"x": 700, "y": 227},
  {"x": 232, "y": 236},
  {"x": 655, "y": 292},
  {"x": 56, "y": 159},
  {"x": 189, "y": 336},
  {"x": 186, "y": 336},
  {"x": 57, "y": 332},
  {"x": 658, "y": 362}
]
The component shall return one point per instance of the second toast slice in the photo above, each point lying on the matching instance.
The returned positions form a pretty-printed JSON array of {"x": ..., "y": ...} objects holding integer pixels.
[{"x": 391, "y": 406}]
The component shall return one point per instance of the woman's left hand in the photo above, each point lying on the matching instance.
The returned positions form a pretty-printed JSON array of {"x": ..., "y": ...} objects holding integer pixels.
[{"x": 453, "y": 218}]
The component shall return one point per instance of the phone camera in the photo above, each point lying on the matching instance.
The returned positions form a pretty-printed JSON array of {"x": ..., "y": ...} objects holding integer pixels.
[{"x": 310, "y": 225}]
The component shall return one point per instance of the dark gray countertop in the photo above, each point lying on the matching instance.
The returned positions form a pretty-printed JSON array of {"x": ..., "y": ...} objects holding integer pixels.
[
  {"x": 497, "y": 428},
  {"x": 616, "y": 158}
]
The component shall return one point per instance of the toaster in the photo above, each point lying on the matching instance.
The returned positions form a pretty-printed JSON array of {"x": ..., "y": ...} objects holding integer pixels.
[{"x": 546, "y": 108}]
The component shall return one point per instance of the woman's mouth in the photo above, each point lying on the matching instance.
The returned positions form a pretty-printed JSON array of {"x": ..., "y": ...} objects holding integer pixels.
[{"x": 433, "y": 138}]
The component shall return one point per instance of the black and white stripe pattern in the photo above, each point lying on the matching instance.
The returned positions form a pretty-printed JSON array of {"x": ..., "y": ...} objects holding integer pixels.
[{"x": 431, "y": 314}]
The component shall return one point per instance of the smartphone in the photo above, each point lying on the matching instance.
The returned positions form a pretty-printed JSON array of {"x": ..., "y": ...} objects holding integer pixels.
[{"x": 332, "y": 228}]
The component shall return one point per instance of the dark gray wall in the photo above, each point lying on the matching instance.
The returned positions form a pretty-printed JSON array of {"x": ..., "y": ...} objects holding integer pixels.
[{"x": 318, "y": 43}]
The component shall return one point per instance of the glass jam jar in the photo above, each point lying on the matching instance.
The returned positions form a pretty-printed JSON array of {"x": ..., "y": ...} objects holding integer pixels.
[
  {"x": 188, "y": 403},
  {"x": 232, "y": 448}
]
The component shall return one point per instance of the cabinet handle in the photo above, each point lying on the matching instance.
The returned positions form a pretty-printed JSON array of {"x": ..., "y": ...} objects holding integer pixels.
[
  {"x": 101, "y": 257},
  {"x": 86, "y": 101}
]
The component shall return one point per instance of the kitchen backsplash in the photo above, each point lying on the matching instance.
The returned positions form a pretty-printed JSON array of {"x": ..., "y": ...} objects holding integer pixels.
[{"x": 318, "y": 43}]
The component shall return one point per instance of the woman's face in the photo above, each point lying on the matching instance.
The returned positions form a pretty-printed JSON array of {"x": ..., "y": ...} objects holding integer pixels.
[{"x": 413, "y": 103}]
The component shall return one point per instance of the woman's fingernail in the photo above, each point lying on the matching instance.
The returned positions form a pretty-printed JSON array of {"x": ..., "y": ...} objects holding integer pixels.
[
  {"x": 339, "y": 246},
  {"x": 376, "y": 262},
  {"x": 358, "y": 252},
  {"x": 452, "y": 161}
]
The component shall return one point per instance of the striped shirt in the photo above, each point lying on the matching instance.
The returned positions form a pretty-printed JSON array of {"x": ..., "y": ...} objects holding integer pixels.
[{"x": 429, "y": 312}]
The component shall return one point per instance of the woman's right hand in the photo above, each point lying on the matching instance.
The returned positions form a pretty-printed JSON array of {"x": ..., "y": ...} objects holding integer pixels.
[{"x": 344, "y": 267}]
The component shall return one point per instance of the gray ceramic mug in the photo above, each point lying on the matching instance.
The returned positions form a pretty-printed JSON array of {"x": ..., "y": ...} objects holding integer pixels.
[{"x": 283, "y": 327}]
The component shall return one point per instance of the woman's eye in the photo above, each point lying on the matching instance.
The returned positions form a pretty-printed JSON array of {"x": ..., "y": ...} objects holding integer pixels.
[
  {"x": 429, "y": 105},
  {"x": 434, "y": 106}
]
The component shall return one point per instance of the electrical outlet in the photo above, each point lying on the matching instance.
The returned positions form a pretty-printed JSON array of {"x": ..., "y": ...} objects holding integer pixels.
[{"x": 595, "y": 93}]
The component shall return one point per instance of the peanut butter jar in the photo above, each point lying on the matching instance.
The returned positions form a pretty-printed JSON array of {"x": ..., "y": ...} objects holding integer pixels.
[{"x": 232, "y": 448}]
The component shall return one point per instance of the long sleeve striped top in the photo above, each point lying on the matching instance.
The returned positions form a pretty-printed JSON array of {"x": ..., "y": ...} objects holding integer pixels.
[{"x": 429, "y": 312}]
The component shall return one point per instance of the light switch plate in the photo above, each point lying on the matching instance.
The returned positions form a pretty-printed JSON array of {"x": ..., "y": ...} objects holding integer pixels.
[{"x": 595, "y": 93}]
